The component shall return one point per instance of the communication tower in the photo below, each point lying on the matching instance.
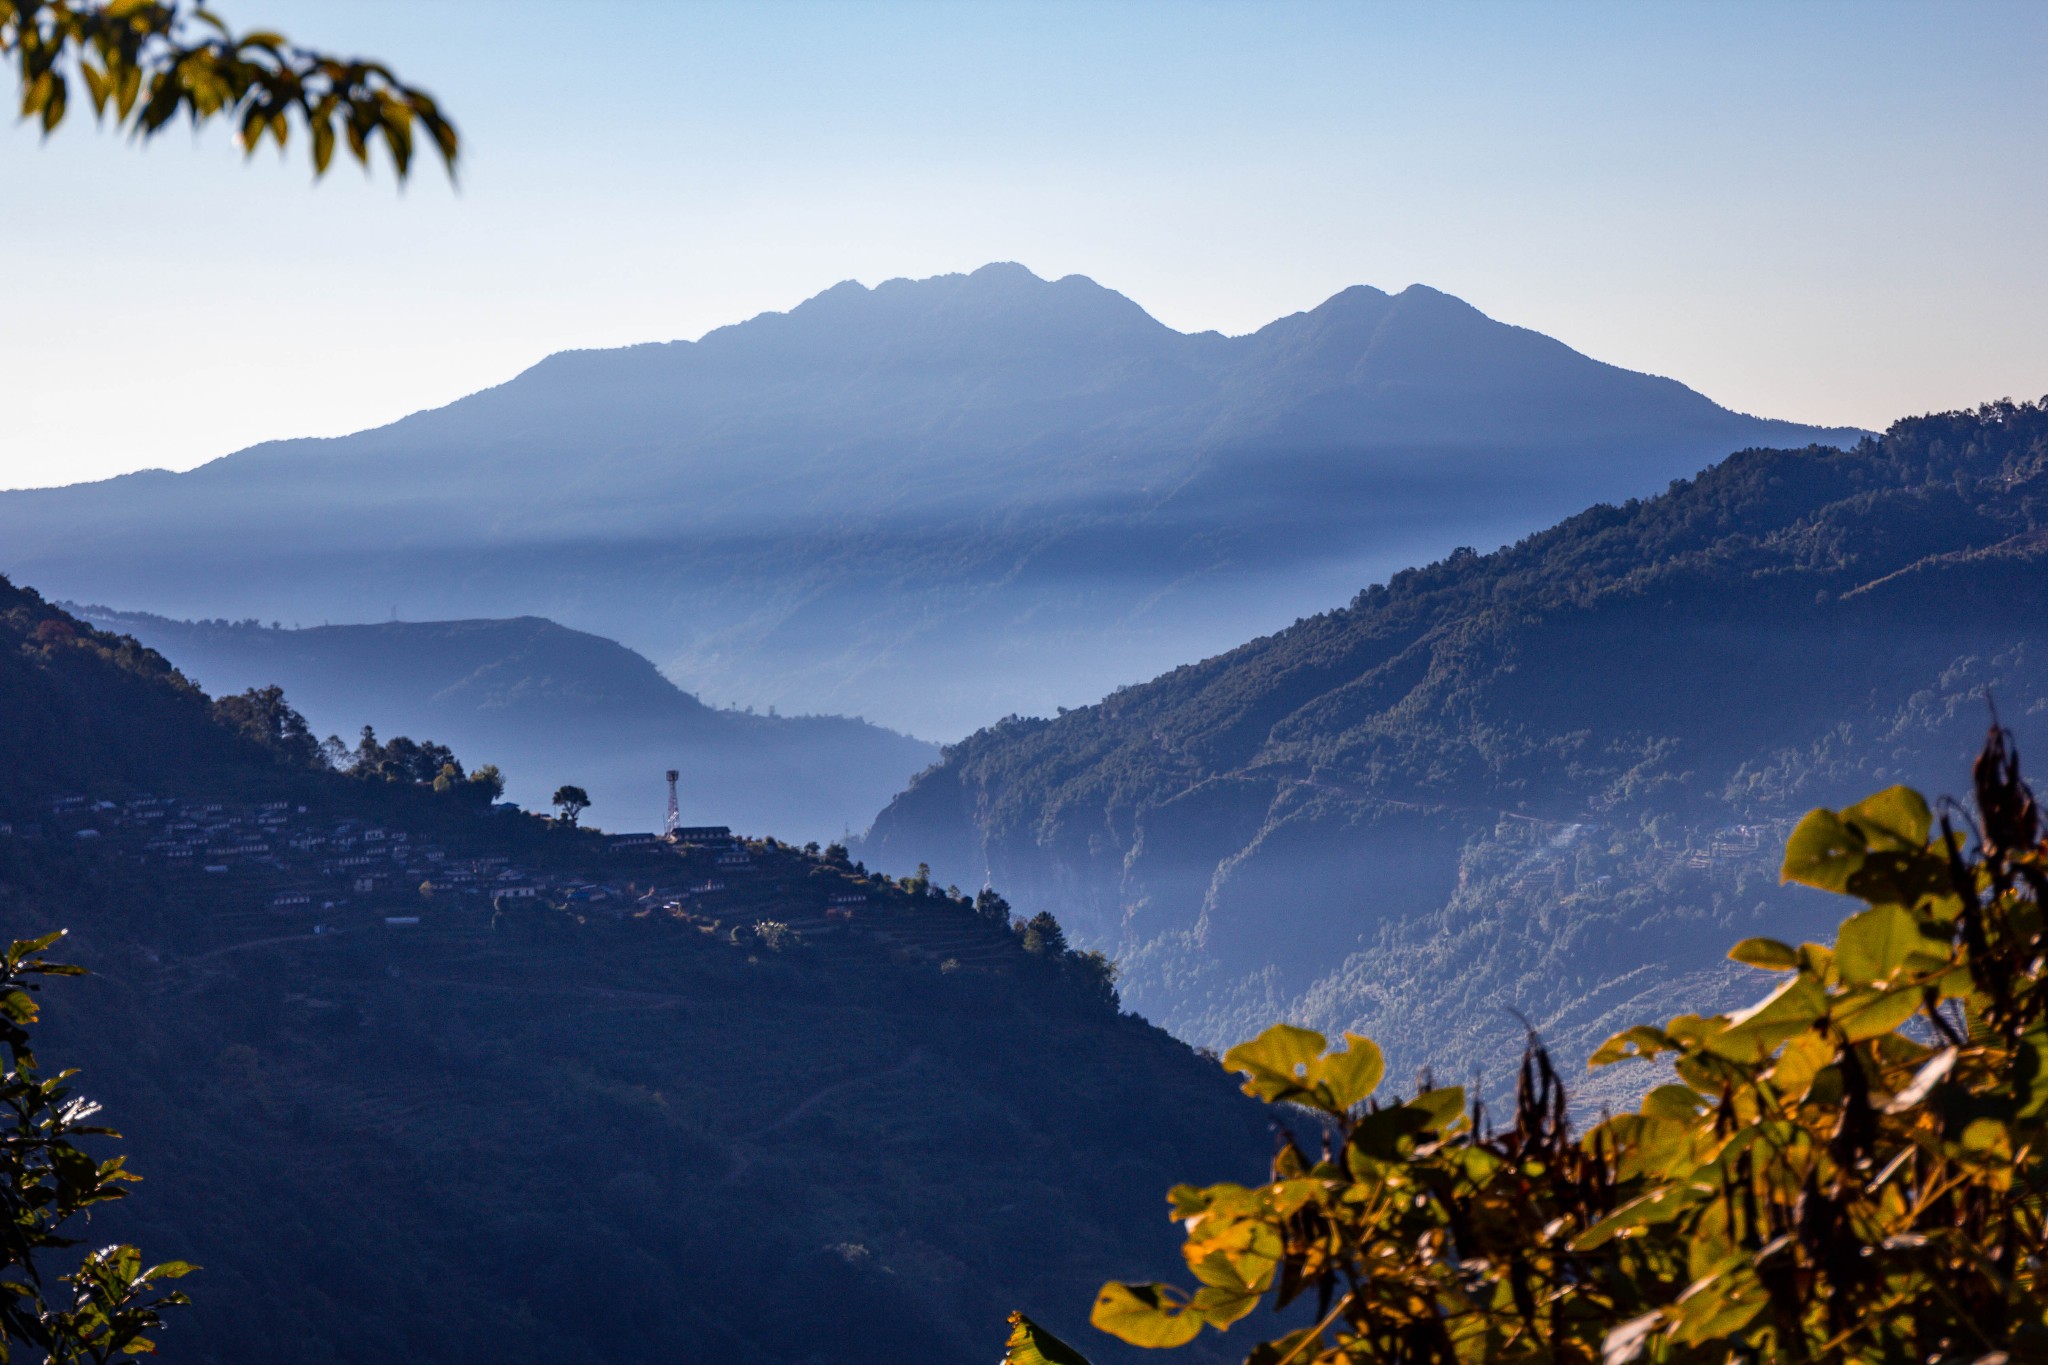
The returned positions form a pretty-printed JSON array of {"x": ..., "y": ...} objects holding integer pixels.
[{"x": 674, "y": 821}]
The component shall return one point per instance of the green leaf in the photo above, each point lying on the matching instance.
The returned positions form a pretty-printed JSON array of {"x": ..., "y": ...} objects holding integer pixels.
[
  {"x": 1823, "y": 852},
  {"x": 1896, "y": 819},
  {"x": 1659, "y": 1206},
  {"x": 1144, "y": 1315},
  {"x": 1673, "y": 1102},
  {"x": 1754, "y": 1032},
  {"x": 1641, "y": 1041},
  {"x": 1443, "y": 1105},
  {"x": 1379, "y": 1136},
  {"x": 1868, "y": 1013},
  {"x": 1030, "y": 1344},
  {"x": 1767, "y": 953},
  {"x": 1354, "y": 1073},
  {"x": 1875, "y": 944},
  {"x": 1277, "y": 1062}
]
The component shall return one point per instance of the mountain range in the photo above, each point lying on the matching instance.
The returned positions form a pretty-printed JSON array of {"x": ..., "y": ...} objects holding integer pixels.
[
  {"x": 550, "y": 706},
  {"x": 1550, "y": 782},
  {"x": 929, "y": 503}
]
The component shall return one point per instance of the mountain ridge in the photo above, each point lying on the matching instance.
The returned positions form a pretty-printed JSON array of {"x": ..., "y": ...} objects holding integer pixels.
[
  {"x": 927, "y": 503},
  {"x": 551, "y": 705},
  {"x": 1246, "y": 833}
]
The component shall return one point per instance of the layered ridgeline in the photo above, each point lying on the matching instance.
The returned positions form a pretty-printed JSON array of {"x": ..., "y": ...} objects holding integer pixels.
[
  {"x": 416, "y": 1079},
  {"x": 928, "y": 503},
  {"x": 550, "y": 705},
  {"x": 1552, "y": 779}
]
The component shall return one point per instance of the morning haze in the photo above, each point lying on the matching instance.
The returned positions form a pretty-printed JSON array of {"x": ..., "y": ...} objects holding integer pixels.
[{"x": 889, "y": 681}]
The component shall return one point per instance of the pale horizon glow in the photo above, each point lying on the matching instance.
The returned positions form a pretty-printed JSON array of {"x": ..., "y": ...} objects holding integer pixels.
[{"x": 1827, "y": 213}]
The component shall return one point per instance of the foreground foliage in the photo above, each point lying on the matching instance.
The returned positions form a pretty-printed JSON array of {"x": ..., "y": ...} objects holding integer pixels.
[
  {"x": 108, "y": 1303},
  {"x": 148, "y": 61},
  {"x": 1849, "y": 1170}
]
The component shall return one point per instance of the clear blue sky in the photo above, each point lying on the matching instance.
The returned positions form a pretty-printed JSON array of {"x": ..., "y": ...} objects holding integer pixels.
[{"x": 1825, "y": 211}]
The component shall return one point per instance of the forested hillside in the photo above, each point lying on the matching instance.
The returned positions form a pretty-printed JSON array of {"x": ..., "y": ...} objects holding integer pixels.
[
  {"x": 1546, "y": 779},
  {"x": 550, "y": 705},
  {"x": 926, "y": 503},
  {"x": 413, "y": 1078}
]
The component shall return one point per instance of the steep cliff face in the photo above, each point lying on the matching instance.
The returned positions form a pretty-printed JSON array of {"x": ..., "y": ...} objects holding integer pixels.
[{"x": 1253, "y": 832}]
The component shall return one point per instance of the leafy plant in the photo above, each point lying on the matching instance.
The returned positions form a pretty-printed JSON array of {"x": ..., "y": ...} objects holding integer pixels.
[
  {"x": 1851, "y": 1169},
  {"x": 147, "y": 61},
  {"x": 110, "y": 1302}
]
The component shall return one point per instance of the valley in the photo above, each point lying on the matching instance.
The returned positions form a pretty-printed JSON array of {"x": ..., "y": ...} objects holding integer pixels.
[
  {"x": 550, "y": 705},
  {"x": 927, "y": 504},
  {"x": 1547, "y": 783}
]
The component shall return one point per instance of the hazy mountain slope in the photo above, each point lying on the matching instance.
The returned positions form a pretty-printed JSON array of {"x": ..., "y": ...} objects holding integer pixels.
[
  {"x": 551, "y": 705},
  {"x": 928, "y": 503},
  {"x": 1516, "y": 779},
  {"x": 524, "y": 1133}
]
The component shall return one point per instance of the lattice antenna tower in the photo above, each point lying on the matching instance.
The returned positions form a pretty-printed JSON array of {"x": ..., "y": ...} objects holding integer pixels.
[{"x": 674, "y": 821}]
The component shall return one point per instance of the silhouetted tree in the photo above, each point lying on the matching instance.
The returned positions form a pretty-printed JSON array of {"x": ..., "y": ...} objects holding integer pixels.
[
  {"x": 263, "y": 715},
  {"x": 570, "y": 803},
  {"x": 1042, "y": 934}
]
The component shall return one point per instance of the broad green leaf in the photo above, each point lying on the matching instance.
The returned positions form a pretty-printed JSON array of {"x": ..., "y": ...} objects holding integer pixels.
[
  {"x": 1379, "y": 1137},
  {"x": 1658, "y": 1206},
  {"x": 1673, "y": 1102},
  {"x": 1767, "y": 953},
  {"x": 1276, "y": 1063},
  {"x": 1444, "y": 1105},
  {"x": 1220, "y": 1305},
  {"x": 1823, "y": 852},
  {"x": 1896, "y": 818},
  {"x": 1640, "y": 1041},
  {"x": 1238, "y": 1255},
  {"x": 1030, "y": 1344},
  {"x": 1799, "y": 1063},
  {"x": 1878, "y": 942},
  {"x": 1751, "y": 1034},
  {"x": 1651, "y": 1146},
  {"x": 1871, "y": 1011},
  {"x": 1352, "y": 1074},
  {"x": 1144, "y": 1315}
]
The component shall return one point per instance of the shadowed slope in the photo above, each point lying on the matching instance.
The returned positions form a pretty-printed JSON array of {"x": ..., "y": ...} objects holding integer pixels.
[{"x": 1546, "y": 778}]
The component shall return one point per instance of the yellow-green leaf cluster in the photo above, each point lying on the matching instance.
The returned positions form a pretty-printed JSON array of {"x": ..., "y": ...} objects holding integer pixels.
[{"x": 145, "y": 62}]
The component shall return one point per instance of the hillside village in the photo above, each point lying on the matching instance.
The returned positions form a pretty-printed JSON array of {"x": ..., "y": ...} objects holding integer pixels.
[{"x": 278, "y": 869}]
